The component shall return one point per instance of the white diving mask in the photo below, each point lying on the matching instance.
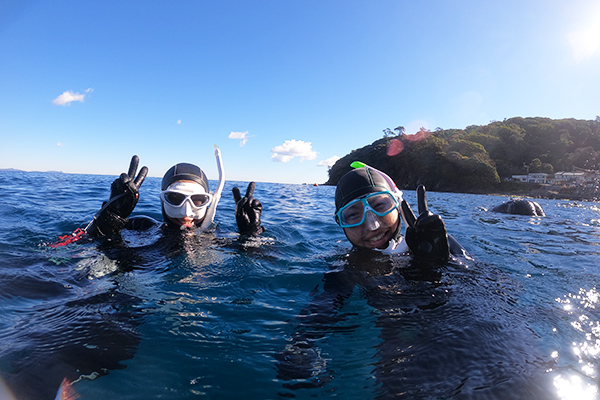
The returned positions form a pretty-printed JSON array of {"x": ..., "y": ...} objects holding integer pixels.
[{"x": 186, "y": 199}]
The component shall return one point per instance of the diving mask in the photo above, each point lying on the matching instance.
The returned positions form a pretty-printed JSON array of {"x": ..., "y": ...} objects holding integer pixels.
[
  {"x": 354, "y": 213},
  {"x": 185, "y": 199}
]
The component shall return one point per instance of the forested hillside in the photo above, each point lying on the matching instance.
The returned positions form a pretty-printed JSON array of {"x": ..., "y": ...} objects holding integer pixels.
[{"x": 478, "y": 158}]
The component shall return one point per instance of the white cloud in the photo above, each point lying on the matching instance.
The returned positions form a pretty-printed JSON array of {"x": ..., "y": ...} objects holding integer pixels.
[
  {"x": 329, "y": 162},
  {"x": 67, "y": 97},
  {"x": 240, "y": 135},
  {"x": 293, "y": 148},
  {"x": 60, "y": 144},
  {"x": 178, "y": 122}
]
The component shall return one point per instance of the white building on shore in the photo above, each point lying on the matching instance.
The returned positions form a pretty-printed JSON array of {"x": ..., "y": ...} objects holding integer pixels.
[
  {"x": 569, "y": 178},
  {"x": 560, "y": 178},
  {"x": 538, "y": 177}
]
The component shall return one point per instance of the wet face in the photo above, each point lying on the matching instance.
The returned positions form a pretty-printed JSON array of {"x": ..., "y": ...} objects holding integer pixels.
[{"x": 375, "y": 232}]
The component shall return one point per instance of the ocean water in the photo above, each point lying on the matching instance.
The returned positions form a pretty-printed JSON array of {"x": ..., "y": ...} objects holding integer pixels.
[{"x": 293, "y": 314}]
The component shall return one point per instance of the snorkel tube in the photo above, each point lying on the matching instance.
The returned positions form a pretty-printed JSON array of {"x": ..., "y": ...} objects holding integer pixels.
[{"x": 212, "y": 209}]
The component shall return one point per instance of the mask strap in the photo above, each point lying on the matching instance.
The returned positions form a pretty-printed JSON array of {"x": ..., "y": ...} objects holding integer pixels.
[{"x": 395, "y": 191}]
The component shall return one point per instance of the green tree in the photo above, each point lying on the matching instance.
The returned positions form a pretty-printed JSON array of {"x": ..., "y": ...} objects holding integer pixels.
[
  {"x": 535, "y": 165},
  {"x": 479, "y": 156},
  {"x": 399, "y": 130},
  {"x": 586, "y": 158}
]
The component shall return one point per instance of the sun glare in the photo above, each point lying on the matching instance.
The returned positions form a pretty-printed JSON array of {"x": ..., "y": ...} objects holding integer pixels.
[{"x": 585, "y": 41}]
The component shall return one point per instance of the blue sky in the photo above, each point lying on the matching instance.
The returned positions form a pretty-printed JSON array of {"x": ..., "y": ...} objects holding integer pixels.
[{"x": 282, "y": 87}]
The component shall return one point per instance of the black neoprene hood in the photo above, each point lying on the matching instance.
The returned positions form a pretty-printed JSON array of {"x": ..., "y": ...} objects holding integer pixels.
[
  {"x": 356, "y": 183},
  {"x": 184, "y": 172}
]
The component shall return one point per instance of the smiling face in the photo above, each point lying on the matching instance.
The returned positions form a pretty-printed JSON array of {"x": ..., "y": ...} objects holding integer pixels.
[
  {"x": 358, "y": 191},
  {"x": 375, "y": 232}
]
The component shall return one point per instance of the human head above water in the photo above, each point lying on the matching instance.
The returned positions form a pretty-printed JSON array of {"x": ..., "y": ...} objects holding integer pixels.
[
  {"x": 358, "y": 182},
  {"x": 188, "y": 179},
  {"x": 184, "y": 172},
  {"x": 374, "y": 232}
]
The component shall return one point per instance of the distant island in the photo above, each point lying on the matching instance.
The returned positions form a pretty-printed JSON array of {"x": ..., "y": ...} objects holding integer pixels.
[
  {"x": 20, "y": 170},
  {"x": 535, "y": 157}
]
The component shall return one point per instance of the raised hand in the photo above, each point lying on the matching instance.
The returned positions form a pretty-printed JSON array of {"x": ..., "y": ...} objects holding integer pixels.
[
  {"x": 124, "y": 194},
  {"x": 247, "y": 211},
  {"x": 426, "y": 235},
  {"x": 125, "y": 190}
]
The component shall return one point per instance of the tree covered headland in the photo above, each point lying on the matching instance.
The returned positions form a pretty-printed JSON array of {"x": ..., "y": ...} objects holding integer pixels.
[{"x": 478, "y": 158}]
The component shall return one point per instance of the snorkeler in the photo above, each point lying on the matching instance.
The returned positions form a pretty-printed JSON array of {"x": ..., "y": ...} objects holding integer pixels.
[
  {"x": 402, "y": 291},
  {"x": 368, "y": 207},
  {"x": 186, "y": 201}
]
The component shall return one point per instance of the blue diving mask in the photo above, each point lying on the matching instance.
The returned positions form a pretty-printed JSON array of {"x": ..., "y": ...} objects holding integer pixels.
[{"x": 354, "y": 213}]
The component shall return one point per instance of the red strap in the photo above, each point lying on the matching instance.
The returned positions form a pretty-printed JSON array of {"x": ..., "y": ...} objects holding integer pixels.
[{"x": 68, "y": 239}]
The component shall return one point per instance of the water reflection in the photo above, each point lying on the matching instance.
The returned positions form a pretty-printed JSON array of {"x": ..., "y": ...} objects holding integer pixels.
[
  {"x": 580, "y": 384},
  {"x": 573, "y": 387}
]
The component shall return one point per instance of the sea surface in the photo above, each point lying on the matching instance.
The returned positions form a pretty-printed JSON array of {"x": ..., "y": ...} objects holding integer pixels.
[{"x": 293, "y": 313}]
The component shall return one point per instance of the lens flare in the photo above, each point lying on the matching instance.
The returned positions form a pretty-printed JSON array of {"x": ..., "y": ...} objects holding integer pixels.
[
  {"x": 5, "y": 392},
  {"x": 422, "y": 134},
  {"x": 395, "y": 147}
]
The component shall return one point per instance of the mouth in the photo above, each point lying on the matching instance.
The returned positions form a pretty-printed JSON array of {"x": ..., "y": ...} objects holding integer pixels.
[
  {"x": 378, "y": 240},
  {"x": 186, "y": 223}
]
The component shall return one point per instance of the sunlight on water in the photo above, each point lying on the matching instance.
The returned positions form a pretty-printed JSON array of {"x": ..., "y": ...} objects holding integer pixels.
[
  {"x": 574, "y": 386},
  {"x": 97, "y": 267}
]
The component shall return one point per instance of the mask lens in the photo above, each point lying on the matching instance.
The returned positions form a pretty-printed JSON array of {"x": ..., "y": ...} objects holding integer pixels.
[
  {"x": 200, "y": 200},
  {"x": 174, "y": 198},
  {"x": 381, "y": 203},
  {"x": 352, "y": 214}
]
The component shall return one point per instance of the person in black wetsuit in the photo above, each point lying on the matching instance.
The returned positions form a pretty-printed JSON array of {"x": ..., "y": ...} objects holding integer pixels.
[
  {"x": 185, "y": 198},
  {"x": 102, "y": 330},
  {"x": 368, "y": 208},
  {"x": 442, "y": 328}
]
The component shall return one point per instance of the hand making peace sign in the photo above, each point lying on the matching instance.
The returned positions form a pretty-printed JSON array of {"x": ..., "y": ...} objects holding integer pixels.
[{"x": 426, "y": 235}]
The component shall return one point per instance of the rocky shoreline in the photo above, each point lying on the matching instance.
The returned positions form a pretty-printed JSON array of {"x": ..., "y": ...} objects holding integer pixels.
[{"x": 574, "y": 193}]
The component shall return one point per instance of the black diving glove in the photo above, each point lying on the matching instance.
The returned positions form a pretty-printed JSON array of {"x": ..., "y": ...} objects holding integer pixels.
[
  {"x": 426, "y": 235},
  {"x": 124, "y": 194},
  {"x": 247, "y": 211}
]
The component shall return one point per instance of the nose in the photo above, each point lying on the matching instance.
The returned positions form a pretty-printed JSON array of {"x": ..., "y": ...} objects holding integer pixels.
[
  {"x": 371, "y": 221},
  {"x": 189, "y": 211}
]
